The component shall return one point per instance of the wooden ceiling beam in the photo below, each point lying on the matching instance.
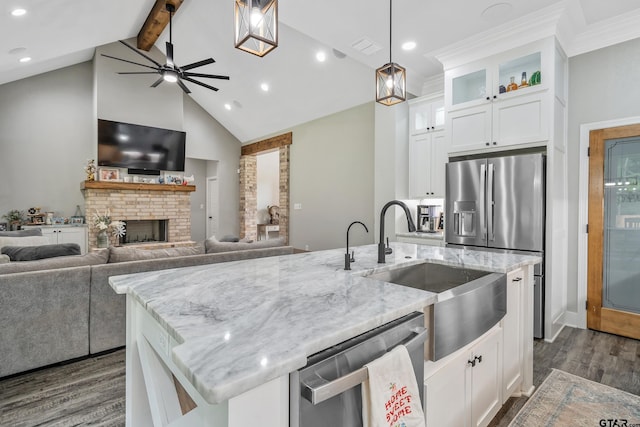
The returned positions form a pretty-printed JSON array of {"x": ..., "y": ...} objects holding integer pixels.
[{"x": 156, "y": 22}]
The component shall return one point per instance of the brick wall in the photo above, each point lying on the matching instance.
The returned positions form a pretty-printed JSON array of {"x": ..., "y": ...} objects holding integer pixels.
[
  {"x": 248, "y": 197},
  {"x": 140, "y": 205}
]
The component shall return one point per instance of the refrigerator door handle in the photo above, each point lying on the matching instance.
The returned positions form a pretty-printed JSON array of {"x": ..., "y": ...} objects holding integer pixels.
[
  {"x": 490, "y": 203},
  {"x": 482, "y": 210}
]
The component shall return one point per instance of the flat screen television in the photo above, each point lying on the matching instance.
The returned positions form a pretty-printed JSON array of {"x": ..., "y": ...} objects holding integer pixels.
[{"x": 141, "y": 148}]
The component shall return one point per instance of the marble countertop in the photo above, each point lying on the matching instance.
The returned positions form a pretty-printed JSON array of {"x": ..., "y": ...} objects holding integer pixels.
[{"x": 240, "y": 324}]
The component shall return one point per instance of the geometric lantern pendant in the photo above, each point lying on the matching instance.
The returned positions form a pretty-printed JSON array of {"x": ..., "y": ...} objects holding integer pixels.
[
  {"x": 256, "y": 26},
  {"x": 390, "y": 84}
]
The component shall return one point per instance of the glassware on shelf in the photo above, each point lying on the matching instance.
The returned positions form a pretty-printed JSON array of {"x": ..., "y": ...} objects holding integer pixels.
[
  {"x": 512, "y": 84},
  {"x": 502, "y": 89},
  {"x": 535, "y": 79},
  {"x": 524, "y": 82}
]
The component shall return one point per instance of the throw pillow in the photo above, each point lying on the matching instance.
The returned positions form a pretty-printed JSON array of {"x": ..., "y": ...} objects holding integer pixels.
[
  {"x": 99, "y": 256},
  {"x": 123, "y": 254},
  {"x": 32, "y": 253},
  {"x": 4, "y": 259},
  {"x": 22, "y": 233},
  {"x": 23, "y": 241}
]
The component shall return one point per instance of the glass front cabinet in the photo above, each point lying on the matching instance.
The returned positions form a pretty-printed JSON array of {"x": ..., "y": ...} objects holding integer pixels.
[{"x": 500, "y": 101}]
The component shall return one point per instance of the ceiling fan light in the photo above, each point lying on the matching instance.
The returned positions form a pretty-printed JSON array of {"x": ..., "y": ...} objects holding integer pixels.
[
  {"x": 256, "y": 26},
  {"x": 391, "y": 84},
  {"x": 170, "y": 76}
]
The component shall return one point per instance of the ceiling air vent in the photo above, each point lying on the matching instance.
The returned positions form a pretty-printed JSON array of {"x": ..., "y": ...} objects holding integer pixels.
[{"x": 366, "y": 46}]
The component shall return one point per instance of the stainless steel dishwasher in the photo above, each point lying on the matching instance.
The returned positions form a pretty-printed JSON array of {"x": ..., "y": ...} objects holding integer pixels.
[{"x": 327, "y": 391}]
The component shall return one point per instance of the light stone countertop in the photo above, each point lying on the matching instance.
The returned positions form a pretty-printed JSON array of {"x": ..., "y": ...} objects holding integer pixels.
[{"x": 243, "y": 323}]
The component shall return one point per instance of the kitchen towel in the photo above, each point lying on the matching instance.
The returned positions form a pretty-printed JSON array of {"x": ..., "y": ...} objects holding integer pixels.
[{"x": 390, "y": 396}]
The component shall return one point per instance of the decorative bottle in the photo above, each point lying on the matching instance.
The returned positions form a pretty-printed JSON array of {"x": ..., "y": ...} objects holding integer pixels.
[
  {"x": 524, "y": 82},
  {"x": 512, "y": 84}
]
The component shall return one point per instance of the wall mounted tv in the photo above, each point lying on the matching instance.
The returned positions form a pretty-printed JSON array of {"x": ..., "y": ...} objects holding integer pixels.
[{"x": 141, "y": 149}]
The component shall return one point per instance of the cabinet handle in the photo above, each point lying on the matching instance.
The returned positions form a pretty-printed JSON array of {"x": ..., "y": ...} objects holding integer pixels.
[
  {"x": 487, "y": 144},
  {"x": 433, "y": 127},
  {"x": 472, "y": 363},
  {"x": 478, "y": 358},
  {"x": 517, "y": 279},
  {"x": 488, "y": 98},
  {"x": 495, "y": 143},
  {"x": 495, "y": 96}
]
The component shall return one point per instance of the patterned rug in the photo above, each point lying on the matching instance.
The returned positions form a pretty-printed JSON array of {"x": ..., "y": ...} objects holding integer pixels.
[{"x": 567, "y": 400}]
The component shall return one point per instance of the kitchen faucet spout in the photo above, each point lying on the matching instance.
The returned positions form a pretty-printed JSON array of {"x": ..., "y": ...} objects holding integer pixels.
[
  {"x": 349, "y": 258},
  {"x": 382, "y": 250}
]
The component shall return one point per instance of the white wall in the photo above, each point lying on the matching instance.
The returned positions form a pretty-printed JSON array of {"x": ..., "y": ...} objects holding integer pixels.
[
  {"x": 47, "y": 134},
  {"x": 603, "y": 85},
  {"x": 332, "y": 174},
  {"x": 268, "y": 182}
]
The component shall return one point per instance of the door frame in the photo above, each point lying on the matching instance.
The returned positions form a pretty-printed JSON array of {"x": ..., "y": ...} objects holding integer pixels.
[
  {"x": 579, "y": 319},
  {"x": 209, "y": 181}
]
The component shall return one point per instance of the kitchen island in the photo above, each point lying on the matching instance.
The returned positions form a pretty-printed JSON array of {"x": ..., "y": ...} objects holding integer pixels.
[{"x": 231, "y": 333}]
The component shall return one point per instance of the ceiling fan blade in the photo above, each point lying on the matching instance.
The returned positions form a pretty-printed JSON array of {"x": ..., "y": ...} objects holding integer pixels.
[
  {"x": 130, "y": 62},
  {"x": 140, "y": 53},
  {"x": 198, "y": 64},
  {"x": 207, "y": 76},
  {"x": 183, "y": 87},
  {"x": 139, "y": 72},
  {"x": 170, "y": 54},
  {"x": 157, "y": 82},
  {"x": 189, "y": 79}
]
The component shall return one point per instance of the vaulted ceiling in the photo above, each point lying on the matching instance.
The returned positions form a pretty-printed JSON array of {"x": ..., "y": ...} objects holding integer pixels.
[{"x": 60, "y": 33}]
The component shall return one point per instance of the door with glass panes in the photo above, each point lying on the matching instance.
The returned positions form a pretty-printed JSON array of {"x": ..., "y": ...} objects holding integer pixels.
[{"x": 613, "y": 278}]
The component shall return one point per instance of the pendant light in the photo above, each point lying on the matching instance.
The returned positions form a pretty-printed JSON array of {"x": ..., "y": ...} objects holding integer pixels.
[
  {"x": 256, "y": 26},
  {"x": 390, "y": 78}
]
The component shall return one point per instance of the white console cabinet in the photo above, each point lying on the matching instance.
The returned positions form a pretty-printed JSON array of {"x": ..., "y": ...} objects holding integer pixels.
[
  {"x": 512, "y": 329},
  {"x": 66, "y": 234}
]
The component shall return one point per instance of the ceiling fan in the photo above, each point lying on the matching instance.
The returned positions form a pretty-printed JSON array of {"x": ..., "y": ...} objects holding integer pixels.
[{"x": 170, "y": 72}]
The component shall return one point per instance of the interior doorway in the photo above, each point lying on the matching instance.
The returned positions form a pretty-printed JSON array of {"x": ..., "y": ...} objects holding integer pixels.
[
  {"x": 213, "y": 206},
  {"x": 613, "y": 275}
]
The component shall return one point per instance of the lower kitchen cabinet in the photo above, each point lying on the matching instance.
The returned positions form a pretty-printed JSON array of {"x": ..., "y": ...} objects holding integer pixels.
[
  {"x": 466, "y": 390},
  {"x": 512, "y": 329}
]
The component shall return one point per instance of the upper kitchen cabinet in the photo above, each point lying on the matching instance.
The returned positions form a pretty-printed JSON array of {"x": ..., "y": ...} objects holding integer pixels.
[
  {"x": 426, "y": 114},
  {"x": 500, "y": 102}
]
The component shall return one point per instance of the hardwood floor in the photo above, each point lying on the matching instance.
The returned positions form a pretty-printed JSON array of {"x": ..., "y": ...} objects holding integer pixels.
[{"x": 90, "y": 392}]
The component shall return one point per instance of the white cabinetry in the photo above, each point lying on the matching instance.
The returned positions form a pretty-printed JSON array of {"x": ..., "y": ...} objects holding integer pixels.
[
  {"x": 68, "y": 234},
  {"x": 467, "y": 389},
  {"x": 427, "y": 148},
  {"x": 481, "y": 114},
  {"x": 512, "y": 329}
]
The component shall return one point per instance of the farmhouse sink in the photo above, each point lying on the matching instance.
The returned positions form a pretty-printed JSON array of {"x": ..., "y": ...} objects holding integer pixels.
[{"x": 469, "y": 302}]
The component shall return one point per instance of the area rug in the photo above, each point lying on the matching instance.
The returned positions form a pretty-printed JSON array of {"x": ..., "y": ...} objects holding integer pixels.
[{"x": 567, "y": 400}]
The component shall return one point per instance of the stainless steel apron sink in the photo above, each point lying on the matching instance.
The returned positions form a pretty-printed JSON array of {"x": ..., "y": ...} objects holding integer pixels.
[{"x": 469, "y": 302}]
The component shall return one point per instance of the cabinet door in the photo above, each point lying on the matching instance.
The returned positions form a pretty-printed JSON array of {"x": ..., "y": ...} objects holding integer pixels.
[
  {"x": 512, "y": 336},
  {"x": 419, "y": 165},
  {"x": 444, "y": 395},
  {"x": 426, "y": 115},
  {"x": 520, "y": 120},
  {"x": 50, "y": 234},
  {"x": 73, "y": 235},
  {"x": 467, "y": 86},
  {"x": 438, "y": 161},
  {"x": 486, "y": 381},
  {"x": 437, "y": 114},
  {"x": 470, "y": 128}
]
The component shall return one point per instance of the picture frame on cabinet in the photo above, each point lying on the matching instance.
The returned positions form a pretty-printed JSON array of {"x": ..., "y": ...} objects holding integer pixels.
[
  {"x": 3, "y": 226},
  {"x": 109, "y": 174},
  {"x": 76, "y": 220}
]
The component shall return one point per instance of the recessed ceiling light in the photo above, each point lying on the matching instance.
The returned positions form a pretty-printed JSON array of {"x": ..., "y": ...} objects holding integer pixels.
[
  {"x": 264, "y": 87},
  {"x": 321, "y": 56},
  {"x": 408, "y": 45},
  {"x": 18, "y": 12},
  {"x": 25, "y": 59},
  {"x": 227, "y": 106}
]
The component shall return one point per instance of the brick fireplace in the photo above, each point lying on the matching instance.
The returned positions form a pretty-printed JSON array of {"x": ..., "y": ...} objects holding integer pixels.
[{"x": 140, "y": 202}]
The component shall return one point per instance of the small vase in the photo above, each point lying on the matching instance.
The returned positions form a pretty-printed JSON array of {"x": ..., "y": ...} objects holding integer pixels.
[{"x": 102, "y": 239}]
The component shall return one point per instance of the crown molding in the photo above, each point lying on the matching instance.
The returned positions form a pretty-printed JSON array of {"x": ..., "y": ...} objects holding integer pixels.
[
  {"x": 526, "y": 29},
  {"x": 611, "y": 31},
  {"x": 433, "y": 85}
]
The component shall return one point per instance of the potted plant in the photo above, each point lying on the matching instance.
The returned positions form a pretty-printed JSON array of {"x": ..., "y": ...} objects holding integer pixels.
[
  {"x": 103, "y": 223},
  {"x": 15, "y": 218}
]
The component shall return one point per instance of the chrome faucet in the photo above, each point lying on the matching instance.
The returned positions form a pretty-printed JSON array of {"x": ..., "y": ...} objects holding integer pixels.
[
  {"x": 382, "y": 250},
  {"x": 349, "y": 258}
]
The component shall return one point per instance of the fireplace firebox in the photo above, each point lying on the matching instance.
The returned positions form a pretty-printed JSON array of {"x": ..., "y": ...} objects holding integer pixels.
[{"x": 145, "y": 231}]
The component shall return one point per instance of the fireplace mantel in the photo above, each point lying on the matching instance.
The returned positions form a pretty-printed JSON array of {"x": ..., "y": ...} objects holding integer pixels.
[{"x": 135, "y": 186}]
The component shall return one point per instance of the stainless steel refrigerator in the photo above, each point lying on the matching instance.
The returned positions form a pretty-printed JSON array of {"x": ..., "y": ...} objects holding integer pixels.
[{"x": 498, "y": 204}]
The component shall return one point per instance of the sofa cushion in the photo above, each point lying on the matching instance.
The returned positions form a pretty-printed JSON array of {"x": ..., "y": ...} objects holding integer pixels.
[
  {"x": 22, "y": 233},
  {"x": 32, "y": 253},
  {"x": 23, "y": 241},
  {"x": 123, "y": 254},
  {"x": 92, "y": 258},
  {"x": 213, "y": 245}
]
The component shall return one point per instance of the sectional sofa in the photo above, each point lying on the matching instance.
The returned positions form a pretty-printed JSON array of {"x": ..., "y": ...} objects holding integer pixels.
[{"x": 59, "y": 309}]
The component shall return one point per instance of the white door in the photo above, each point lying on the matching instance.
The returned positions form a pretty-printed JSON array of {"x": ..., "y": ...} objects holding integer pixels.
[{"x": 213, "y": 209}]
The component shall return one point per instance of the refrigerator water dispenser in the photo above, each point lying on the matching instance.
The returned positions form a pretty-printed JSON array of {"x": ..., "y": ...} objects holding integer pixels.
[{"x": 464, "y": 218}]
